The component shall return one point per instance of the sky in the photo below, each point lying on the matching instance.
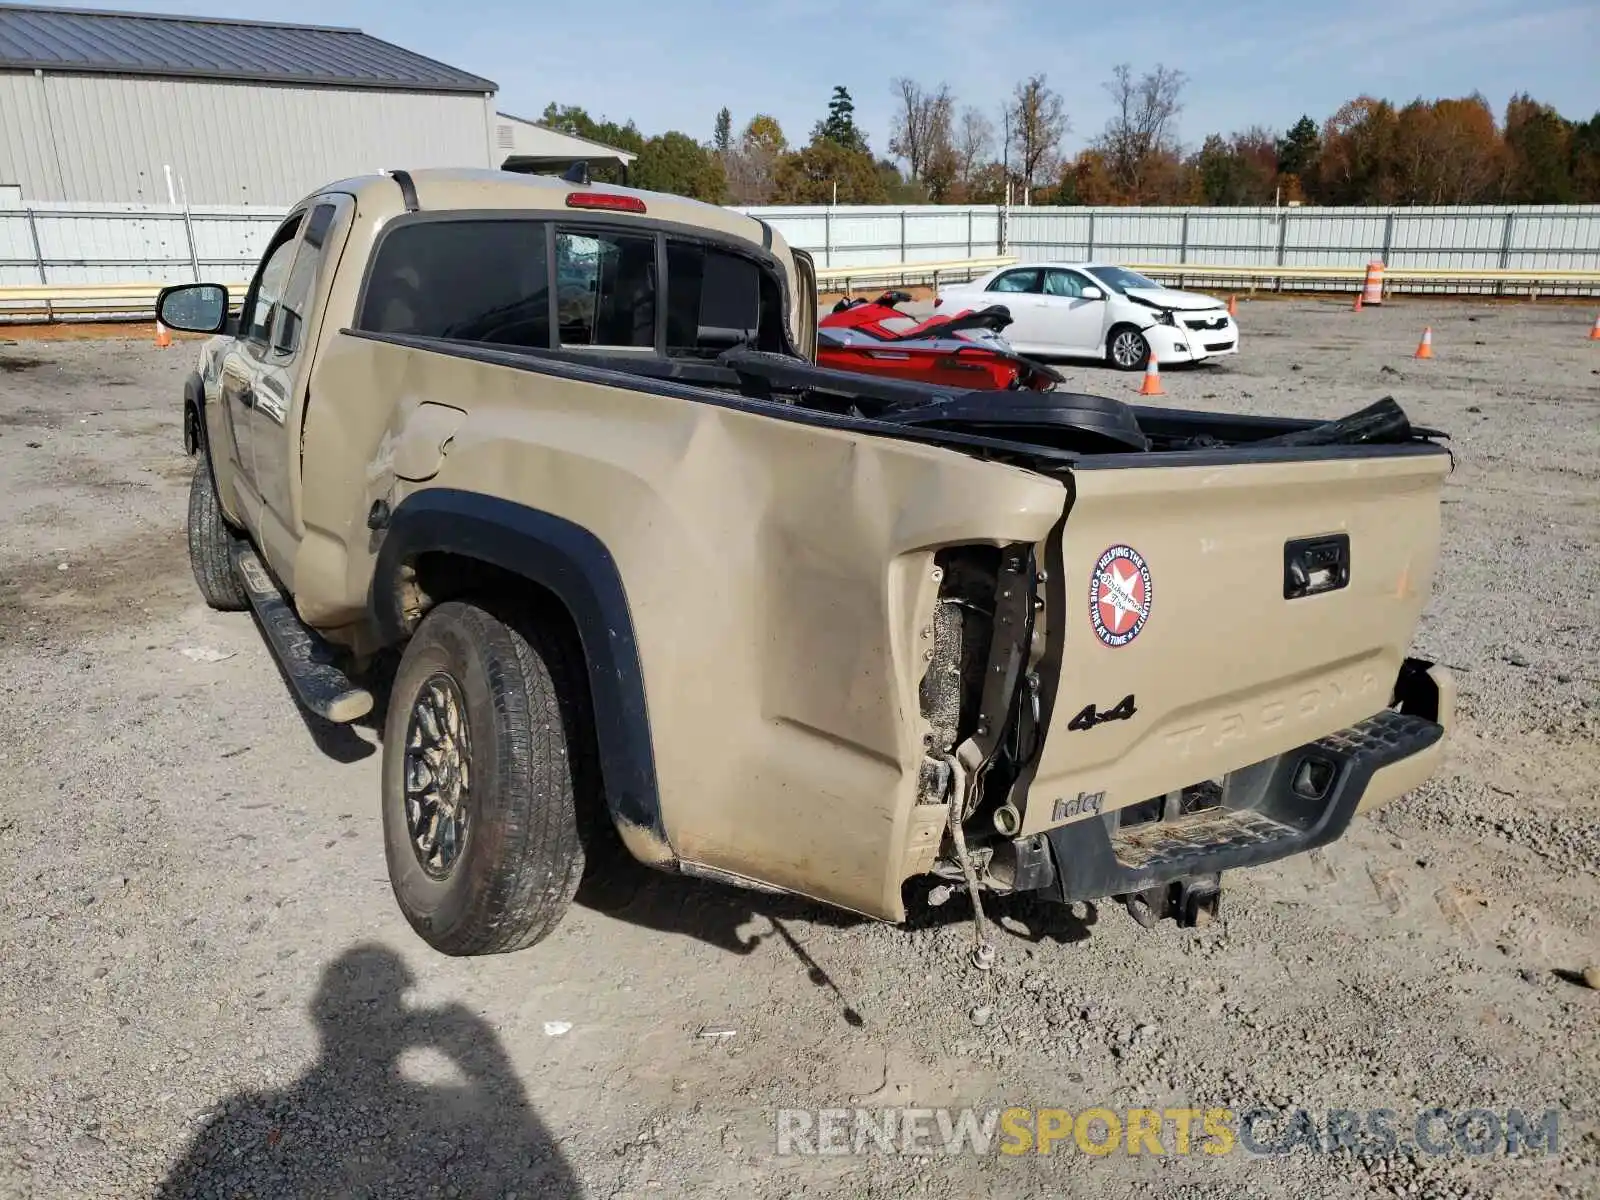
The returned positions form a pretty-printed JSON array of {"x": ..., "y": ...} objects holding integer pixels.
[{"x": 671, "y": 64}]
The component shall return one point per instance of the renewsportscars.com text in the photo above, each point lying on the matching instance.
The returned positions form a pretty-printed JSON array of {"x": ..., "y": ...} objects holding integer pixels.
[{"x": 1378, "y": 1132}]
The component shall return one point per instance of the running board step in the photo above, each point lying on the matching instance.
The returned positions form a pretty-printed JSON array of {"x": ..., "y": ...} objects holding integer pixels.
[{"x": 305, "y": 657}]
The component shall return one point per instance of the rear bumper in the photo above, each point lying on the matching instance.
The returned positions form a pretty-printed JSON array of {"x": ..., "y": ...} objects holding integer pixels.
[{"x": 1270, "y": 810}]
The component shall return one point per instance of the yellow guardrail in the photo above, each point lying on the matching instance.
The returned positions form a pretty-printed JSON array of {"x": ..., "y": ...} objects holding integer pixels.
[
  {"x": 1481, "y": 276},
  {"x": 53, "y": 301},
  {"x": 902, "y": 271}
]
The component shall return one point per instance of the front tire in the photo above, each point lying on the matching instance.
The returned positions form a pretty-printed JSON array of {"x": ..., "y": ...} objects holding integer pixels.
[
  {"x": 486, "y": 775},
  {"x": 1127, "y": 349},
  {"x": 211, "y": 543}
]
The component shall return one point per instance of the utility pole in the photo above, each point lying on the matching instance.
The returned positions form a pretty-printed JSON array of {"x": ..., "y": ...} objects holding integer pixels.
[{"x": 1005, "y": 143}]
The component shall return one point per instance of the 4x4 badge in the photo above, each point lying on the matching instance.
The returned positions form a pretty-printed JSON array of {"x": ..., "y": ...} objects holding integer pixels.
[{"x": 1119, "y": 595}]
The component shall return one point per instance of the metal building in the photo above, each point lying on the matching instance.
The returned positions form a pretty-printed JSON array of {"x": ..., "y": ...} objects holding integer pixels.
[{"x": 98, "y": 106}]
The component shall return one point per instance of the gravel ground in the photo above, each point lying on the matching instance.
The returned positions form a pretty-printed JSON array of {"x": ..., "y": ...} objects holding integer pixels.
[{"x": 207, "y": 989}]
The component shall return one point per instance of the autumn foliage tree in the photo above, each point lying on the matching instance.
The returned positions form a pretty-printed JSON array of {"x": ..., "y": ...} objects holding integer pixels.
[
  {"x": 1038, "y": 121},
  {"x": 751, "y": 163},
  {"x": 1444, "y": 151},
  {"x": 1139, "y": 144},
  {"x": 1447, "y": 152},
  {"x": 811, "y": 175}
]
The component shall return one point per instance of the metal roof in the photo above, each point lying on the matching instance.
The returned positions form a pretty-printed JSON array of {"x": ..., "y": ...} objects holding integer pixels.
[{"x": 84, "y": 41}]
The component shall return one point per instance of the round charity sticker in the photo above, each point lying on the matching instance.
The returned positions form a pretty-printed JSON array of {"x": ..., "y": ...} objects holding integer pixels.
[{"x": 1119, "y": 595}]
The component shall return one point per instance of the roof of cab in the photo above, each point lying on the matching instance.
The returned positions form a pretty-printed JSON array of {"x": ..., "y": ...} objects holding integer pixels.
[{"x": 468, "y": 189}]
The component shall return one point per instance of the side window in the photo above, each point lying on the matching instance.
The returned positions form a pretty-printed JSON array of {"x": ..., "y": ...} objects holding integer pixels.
[
  {"x": 474, "y": 281},
  {"x": 605, "y": 288},
  {"x": 1063, "y": 283},
  {"x": 1017, "y": 281},
  {"x": 717, "y": 300},
  {"x": 255, "y": 321},
  {"x": 302, "y": 282}
]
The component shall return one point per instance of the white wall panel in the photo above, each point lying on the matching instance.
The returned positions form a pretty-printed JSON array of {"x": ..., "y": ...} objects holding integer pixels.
[
  {"x": 110, "y": 138},
  {"x": 85, "y": 242}
]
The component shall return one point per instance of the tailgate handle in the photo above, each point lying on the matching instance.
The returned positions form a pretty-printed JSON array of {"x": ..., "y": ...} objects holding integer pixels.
[{"x": 1315, "y": 565}]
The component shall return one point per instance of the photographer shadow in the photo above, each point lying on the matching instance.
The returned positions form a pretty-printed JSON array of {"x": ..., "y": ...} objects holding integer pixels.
[{"x": 355, "y": 1125}]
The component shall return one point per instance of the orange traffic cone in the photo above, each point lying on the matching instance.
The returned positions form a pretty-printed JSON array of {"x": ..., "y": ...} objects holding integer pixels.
[
  {"x": 1152, "y": 379},
  {"x": 1357, "y": 305},
  {"x": 1594, "y": 334},
  {"x": 1425, "y": 347},
  {"x": 1233, "y": 309},
  {"x": 163, "y": 338}
]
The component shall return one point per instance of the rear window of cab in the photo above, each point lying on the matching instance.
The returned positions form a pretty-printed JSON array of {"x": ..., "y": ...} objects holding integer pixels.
[{"x": 553, "y": 284}]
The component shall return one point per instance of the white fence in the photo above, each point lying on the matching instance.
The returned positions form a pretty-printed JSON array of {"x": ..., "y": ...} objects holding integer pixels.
[
  {"x": 1464, "y": 239},
  {"x": 100, "y": 243}
]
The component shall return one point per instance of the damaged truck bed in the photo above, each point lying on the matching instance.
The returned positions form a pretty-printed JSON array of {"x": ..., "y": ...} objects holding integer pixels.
[{"x": 785, "y": 626}]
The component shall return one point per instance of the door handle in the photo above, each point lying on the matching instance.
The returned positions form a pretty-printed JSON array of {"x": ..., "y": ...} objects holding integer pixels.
[{"x": 1313, "y": 565}]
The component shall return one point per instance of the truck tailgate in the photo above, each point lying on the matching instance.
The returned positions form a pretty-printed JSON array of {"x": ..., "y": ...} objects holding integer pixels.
[{"x": 1184, "y": 642}]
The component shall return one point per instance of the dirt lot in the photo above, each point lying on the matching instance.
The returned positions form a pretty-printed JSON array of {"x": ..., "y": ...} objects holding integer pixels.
[{"x": 206, "y": 981}]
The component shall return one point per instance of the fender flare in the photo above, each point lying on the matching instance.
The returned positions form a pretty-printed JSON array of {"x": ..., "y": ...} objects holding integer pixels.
[
  {"x": 574, "y": 566},
  {"x": 194, "y": 414}
]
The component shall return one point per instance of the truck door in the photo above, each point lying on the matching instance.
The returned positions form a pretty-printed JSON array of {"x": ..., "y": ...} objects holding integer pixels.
[
  {"x": 281, "y": 377},
  {"x": 241, "y": 364}
]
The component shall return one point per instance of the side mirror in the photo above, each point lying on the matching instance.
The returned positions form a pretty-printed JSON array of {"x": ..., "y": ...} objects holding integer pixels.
[
  {"x": 1093, "y": 293},
  {"x": 193, "y": 307}
]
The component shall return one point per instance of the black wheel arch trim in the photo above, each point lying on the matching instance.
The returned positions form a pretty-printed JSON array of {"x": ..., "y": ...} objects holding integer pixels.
[
  {"x": 194, "y": 414},
  {"x": 575, "y": 566}
]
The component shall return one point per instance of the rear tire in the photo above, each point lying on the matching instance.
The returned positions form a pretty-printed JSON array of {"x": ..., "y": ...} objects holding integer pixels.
[
  {"x": 1127, "y": 349},
  {"x": 211, "y": 543},
  {"x": 492, "y": 862}
]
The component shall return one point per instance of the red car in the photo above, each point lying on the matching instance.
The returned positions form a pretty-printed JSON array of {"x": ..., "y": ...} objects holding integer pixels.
[{"x": 960, "y": 349}]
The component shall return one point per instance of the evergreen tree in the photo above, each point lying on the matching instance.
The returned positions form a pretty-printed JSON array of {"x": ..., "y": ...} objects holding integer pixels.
[
  {"x": 1298, "y": 149},
  {"x": 840, "y": 125}
]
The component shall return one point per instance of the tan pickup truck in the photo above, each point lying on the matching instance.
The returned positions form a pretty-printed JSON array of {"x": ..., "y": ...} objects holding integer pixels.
[{"x": 653, "y": 576}]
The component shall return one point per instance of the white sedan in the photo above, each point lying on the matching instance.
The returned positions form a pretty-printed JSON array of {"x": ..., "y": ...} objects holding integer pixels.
[{"x": 1095, "y": 310}]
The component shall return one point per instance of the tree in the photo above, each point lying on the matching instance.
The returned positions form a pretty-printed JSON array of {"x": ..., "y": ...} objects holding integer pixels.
[
  {"x": 570, "y": 118},
  {"x": 920, "y": 131},
  {"x": 1447, "y": 152},
  {"x": 972, "y": 144},
  {"x": 897, "y": 188},
  {"x": 752, "y": 164},
  {"x": 840, "y": 125},
  {"x": 1241, "y": 170},
  {"x": 1298, "y": 149},
  {"x": 722, "y": 138},
  {"x": 1538, "y": 144},
  {"x": 1357, "y": 161},
  {"x": 1140, "y": 133},
  {"x": 1087, "y": 180},
  {"x": 1219, "y": 171},
  {"x": 986, "y": 184},
  {"x": 675, "y": 162},
  {"x": 1038, "y": 122},
  {"x": 1584, "y": 154},
  {"x": 810, "y": 176}
]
